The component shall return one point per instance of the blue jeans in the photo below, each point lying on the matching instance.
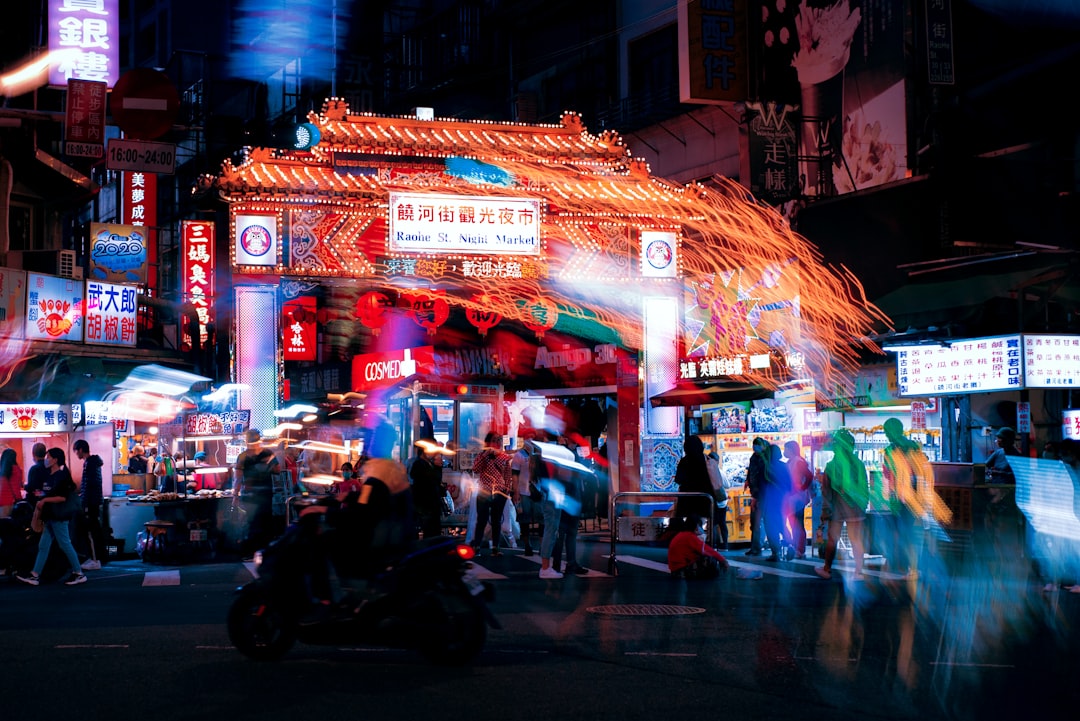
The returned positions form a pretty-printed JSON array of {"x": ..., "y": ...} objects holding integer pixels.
[
  {"x": 61, "y": 531},
  {"x": 551, "y": 527}
]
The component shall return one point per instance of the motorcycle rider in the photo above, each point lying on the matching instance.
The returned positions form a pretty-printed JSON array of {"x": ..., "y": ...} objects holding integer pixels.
[{"x": 366, "y": 528}]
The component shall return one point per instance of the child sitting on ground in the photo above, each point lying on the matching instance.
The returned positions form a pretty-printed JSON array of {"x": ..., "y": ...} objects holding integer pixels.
[{"x": 689, "y": 556}]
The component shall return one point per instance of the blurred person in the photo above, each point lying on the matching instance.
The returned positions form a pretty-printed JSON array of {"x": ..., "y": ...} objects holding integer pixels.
[
  {"x": 427, "y": 488},
  {"x": 692, "y": 476},
  {"x": 58, "y": 506},
  {"x": 1050, "y": 451},
  {"x": 91, "y": 496},
  {"x": 688, "y": 554},
  {"x": 137, "y": 461},
  {"x": 349, "y": 482},
  {"x": 550, "y": 487},
  {"x": 493, "y": 488},
  {"x": 165, "y": 471},
  {"x": 254, "y": 471},
  {"x": 37, "y": 474},
  {"x": 11, "y": 482},
  {"x": 755, "y": 484},
  {"x": 526, "y": 494},
  {"x": 573, "y": 488},
  {"x": 912, "y": 500},
  {"x": 846, "y": 491},
  {"x": 998, "y": 469},
  {"x": 774, "y": 497},
  {"x": 801, "y": 481},
  {"x": 713, "y": 461}
]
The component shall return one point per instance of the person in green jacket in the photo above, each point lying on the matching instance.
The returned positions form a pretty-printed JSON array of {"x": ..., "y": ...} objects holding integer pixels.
[{"x": 845, "y": 493}]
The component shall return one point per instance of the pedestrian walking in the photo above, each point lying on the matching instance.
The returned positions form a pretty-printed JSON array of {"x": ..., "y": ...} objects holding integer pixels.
[{"x": 59, "y": 504}]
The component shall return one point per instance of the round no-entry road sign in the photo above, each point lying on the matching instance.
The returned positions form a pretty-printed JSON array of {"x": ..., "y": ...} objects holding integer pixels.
[{"x": 144, "y": 103}]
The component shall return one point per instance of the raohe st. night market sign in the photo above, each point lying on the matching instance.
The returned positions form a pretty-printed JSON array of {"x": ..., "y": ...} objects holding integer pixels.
[
  {"x": 480, "y": 225},
  {"x": 979, "y": 365}
]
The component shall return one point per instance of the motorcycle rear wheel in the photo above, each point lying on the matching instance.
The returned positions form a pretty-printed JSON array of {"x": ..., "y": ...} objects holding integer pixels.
[
  {"x": 258, "y": 629},
  {"x": 457, "y": 631}
]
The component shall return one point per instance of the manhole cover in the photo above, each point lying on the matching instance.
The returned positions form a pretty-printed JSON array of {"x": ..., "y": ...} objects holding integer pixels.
[{"x": 644, "y": 609}]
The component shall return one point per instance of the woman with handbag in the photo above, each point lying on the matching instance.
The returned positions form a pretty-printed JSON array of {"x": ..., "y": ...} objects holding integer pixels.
[{"x": 59, "y": 505}]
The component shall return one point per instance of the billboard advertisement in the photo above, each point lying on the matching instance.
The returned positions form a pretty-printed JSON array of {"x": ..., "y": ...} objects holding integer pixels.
[
  {"x": 842, "y": 63},
  {"x": 54, "y": 308},
  {"x": 118, "y": 253},
  {"x": 972, "y": 365}
]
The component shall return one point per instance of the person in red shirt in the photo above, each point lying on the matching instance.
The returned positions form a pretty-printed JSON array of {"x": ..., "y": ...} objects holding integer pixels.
[{"x": 689, "y": 556}]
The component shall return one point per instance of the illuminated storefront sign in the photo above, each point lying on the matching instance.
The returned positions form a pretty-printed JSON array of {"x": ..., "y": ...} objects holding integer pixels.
[
  {"x": 573, "y": 358},
  {"x": 54, "y": 308},
  {"x": 35, "y": 418},
  {"x": 378, "y": 370},
  {"x": 1070, "y": 427},
  {"x": 197, "y": 246},
  {"x": 298, "y": 328},
  {"x": 658, "y": 255},
  {"x": 435, "y": 268},
  {"x": 713, "y": 65},
  {"x": 88, "y": 32},
  {"x": 1051, "y": 361},
  {"x": 12, "y": 302},
  {"x": 717, "y": 368},
  {"x": 974, "y": 365},
  {"x": 229, "y": 423},
  {"x": 110, "y": 313},
  {"x": 118, "y": 253},
  {"x": 430, "y": 223},
  {"x": 256, "y": 240},
  {"x": 138, "y": 206}
]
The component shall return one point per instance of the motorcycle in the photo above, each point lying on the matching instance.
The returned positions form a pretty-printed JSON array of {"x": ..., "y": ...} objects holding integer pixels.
[{"x": 429, "y": 600}]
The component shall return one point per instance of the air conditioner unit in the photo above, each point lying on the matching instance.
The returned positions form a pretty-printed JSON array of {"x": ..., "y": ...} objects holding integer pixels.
[
  {"x": 50, "y": 262},
  {"x": 65, "y": 265}
]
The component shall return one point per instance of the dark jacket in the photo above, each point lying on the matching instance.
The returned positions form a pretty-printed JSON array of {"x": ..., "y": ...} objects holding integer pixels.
[{"x": 90, "y": 491}]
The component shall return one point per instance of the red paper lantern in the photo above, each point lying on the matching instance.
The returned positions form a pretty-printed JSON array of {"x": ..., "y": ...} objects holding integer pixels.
[
  {"x": 372, "y": 309},
  {"x": 430, "y": 310},
  {"x": 542, "y": 315},
  {"x": 483, "y": 320}
]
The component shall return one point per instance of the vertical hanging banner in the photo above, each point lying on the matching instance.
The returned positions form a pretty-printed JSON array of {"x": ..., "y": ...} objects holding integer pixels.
[
  {"x": 110, "y": 313},
  {"x": 713, "y": 65},
  {"x": 659, "y": 257},
  {"x": 298, "y": 328},
  {"x": 87, "y": 33},
  {"x": 84, "y": 119},
  {"x": 54, "y": 308},
  {"x": 12, "y": 302},
  {"x": 197, "y": 247},
  {"x": 256, "y": 240},
  {"x": 118, "y": 253}
]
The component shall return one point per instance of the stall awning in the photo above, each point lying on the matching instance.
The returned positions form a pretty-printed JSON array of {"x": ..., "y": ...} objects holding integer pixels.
[{"x": 713, "y": 393}]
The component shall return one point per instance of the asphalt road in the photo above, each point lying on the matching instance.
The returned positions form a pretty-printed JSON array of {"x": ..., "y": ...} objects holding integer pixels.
[{"x": 766, "y": 641}]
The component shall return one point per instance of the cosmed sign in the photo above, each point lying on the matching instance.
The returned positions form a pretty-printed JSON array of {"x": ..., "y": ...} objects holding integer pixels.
[
  {"x": 974, "y": 365},
  {"x": 430, "y": 223}
]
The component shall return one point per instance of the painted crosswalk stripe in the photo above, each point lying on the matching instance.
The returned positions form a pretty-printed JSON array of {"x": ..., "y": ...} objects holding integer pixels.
[{"x": 161, "y": 578}]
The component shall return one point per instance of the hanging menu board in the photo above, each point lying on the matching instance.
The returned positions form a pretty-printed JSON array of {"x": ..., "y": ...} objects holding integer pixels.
[
  {"x": 1051, "y": 361},
  {"x": 972, "y": 365}
]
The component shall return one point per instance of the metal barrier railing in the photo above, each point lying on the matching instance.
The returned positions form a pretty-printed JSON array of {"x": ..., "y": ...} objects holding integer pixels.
[{"x": 613, "y": 519}]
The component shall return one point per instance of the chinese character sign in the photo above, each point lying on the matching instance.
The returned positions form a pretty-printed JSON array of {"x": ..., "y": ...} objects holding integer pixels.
[
  {"x": 118, "y": 253},
  {"x": 88, "y": 33},
  {"x": 713, "y": 65},
  {"x": 54, "y": 308},
  {"x": 215, "y": 424},
  {"x": 12, "y": 302},
  {"x": 198, "y": 267},
  {"x": 430, "y": 223},
  {"x": 34, "y": 418},
  {"x": 84, "y": 119},
  {"x": 256, "y": 241},
  {"x": 1071, "y": 424},
  {"x": 1052, "y": 361},
  {"x": 298, "y": 328},
  {"x": 139, "y": 200},
  {"x": 975, "y": 365},
  {"x": 110, "y": 313}
]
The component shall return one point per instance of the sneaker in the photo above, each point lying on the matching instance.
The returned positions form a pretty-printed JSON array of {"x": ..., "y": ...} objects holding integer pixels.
[
  {"x": 753, "y": 553},
  {"x": 496, "y": 553},
  {"x": 91, "y": 565},
  {"x": 75, "y": 579},
  {"x": 550, "y": 574},
  {"x": 29, "y": 578},
  {"x": 577, "y": 570}
]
